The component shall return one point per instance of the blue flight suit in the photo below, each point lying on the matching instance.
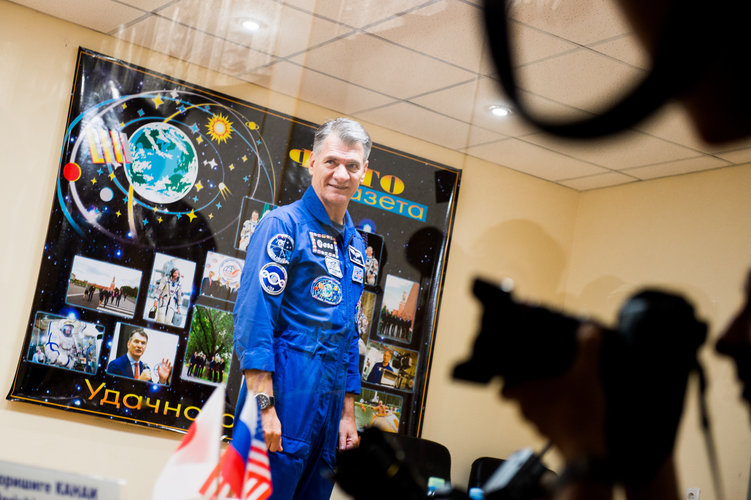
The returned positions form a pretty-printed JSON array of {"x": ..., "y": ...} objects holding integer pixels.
[{"x": 295, "y": 316}]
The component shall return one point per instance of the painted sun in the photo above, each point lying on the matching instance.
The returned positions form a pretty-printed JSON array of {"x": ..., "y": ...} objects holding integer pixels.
[{"x": 220, "y": 128}]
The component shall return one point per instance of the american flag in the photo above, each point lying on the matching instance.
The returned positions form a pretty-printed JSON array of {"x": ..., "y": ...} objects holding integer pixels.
[{"x": 243, "y": 472}]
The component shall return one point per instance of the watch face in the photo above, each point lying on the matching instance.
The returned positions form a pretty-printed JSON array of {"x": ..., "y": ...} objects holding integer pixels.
[{"x": 263, "y": 401}]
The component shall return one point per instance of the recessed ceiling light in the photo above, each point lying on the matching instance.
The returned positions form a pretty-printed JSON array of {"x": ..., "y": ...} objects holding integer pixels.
[
  {"x": 250, "y": 25},
  {"x": 499, "y": 111}
]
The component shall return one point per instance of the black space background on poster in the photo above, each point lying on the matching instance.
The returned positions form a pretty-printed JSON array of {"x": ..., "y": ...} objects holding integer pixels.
[{"x": 105, "y": 209}]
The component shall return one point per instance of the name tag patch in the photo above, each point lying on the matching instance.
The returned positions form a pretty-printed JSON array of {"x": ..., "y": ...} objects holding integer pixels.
[
  {"x": 273, "y": 278},
  {"x": 357, "y": 274},
  {"x": 326, "y": 290},
  {"x": 280, "y": 248},
  {"x": 323, "y": 244},
  {"x": 334, "y": 267},
  {"x": 355, "y": 256}
]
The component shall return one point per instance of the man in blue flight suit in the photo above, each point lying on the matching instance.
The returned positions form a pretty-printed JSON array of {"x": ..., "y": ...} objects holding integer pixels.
[{"x": 295, "y": 317}]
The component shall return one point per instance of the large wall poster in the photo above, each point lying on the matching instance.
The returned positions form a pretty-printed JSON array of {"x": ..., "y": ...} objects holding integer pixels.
[{"x": 161, "y": 183}]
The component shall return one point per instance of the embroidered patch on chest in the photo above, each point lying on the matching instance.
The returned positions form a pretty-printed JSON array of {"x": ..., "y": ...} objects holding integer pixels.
[
  {"x": 334, "y": 267},
  {"x": 355, "y": 256},
  {"x": 327, "y": 290},
  {"x": 357, "y": 274},
  {"x": 323, "y": 244},
  {"x": 273, "y": 278},
  {"x": 280, "y": 248}
]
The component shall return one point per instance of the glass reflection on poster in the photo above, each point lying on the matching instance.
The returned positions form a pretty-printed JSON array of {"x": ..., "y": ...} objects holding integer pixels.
[
  {"x": 155, "y": 169},
  {"x": 365, "y": 311},
  {"x": 397, "y": 317},
  {"x": 209, "y": 351},
  {"x": 103, "y": 287},
  {"x": 65, "y": 343},
  {"x": 142, "y": 354},
  {"x": 373, "y": 253},
  {"x": 170, "y": 289},
  {"x": 221, "y": 276},
  {"x": 378, "y": 409},
  {"x": 252, "y": 213},
  {"x": 390, "y": 366}
]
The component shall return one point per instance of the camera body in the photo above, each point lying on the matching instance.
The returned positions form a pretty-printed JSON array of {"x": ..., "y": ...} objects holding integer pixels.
[{"x": 645, "y": 363}]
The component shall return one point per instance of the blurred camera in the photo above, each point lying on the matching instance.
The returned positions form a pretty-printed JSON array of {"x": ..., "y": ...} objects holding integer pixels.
[{"x": 645, "y": 362}]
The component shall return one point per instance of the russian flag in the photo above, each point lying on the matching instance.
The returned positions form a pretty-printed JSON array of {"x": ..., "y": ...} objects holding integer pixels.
[
  {"x": 244, "y": 469},
  {"x": 197, "y": 456}
]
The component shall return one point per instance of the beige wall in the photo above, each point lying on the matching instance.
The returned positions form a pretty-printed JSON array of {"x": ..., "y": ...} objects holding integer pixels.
[
  {"x": 691, "y": 234},
  {"x": 582, "y": 250}
]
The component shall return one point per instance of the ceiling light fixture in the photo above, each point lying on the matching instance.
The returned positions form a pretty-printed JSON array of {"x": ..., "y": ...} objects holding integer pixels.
[
  {"x": 499, "y": 111},
  {"x": 250, "y": 25}
]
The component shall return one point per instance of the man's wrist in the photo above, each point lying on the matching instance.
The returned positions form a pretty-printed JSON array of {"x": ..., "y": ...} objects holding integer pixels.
[{"x": 265, "y": 401}]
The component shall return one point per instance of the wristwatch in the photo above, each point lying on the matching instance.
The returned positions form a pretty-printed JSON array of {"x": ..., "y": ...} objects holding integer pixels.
[{"x": 264, "y": 400}]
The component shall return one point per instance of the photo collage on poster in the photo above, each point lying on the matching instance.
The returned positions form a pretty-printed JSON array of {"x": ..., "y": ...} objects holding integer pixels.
[
  {"x": 386, "y": 367},
  {"x": 160, "y": 187},
  {"x": 112, "y": 289},
  {"x": 65, "y": 343}
]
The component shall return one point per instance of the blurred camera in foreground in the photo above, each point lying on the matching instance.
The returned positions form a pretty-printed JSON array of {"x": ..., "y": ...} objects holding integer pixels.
[{"x": 645, "y": 362}]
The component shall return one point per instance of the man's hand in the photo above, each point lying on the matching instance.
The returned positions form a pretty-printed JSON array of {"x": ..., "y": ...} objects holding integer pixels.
[
  {"x": 259, "y": 381},
  {"x": 164, "y": 370},
  {"x": 145, "y": 375},
  {"x": 272, "y": 428},
  {"x": 348, "y": 437}
]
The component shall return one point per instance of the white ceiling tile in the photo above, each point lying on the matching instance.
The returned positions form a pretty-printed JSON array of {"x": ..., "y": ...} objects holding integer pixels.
[
  {"x": 530, "y": 44},
  {"x": 479, "y": 135},
  {"x": 673, "y": 123},
  {"x": 284, "y": 30},
  {"x": 148, "y": 5},
  {"x": 470, "y": 102},
  {"x": 356, "y": 14},
  {"x": 597, "y": 181},
  {"x": 583, "y": 79},
  {"x": 628, "y": 149},
  {"x": 447, "y": 30},
  {"x": 193, "y": 46},
  {"x": 463, "y": 101},
  {"x": 413, "y": 121},
  {"x": 99, "y": 15},
  {"x": 370, "y": 62},
  {"x": 737, "y": 156},
  {"x": 625, "y": 48},
  {"x": 679, "y": 167},
  {"x": 310, "y": 86},
  {"x": 533, "y": 160},
  {"x": 583, "y": 21}
]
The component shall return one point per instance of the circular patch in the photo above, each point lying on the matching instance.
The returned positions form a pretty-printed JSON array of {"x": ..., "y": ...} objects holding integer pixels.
[
  {"x": 326, "y": 290},
  {"x": 280, "y": 248},
  {"x": 273, "y": 278}
]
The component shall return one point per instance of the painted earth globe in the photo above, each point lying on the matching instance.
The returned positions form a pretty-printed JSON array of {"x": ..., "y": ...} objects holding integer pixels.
[{"x": 165, "y": 164}]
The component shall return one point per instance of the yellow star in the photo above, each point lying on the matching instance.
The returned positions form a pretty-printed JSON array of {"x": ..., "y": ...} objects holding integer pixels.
[
  {"x": 93, "y": 181},
  {"x": 245, "y": 157},
  {"x": 155, "y": 208},
  {"x": 231, "y": 166},
  {"x": 158, "y": 100},
  {"x": 125, "y": 105},
  {"x": 199, "y": 186},
  {"x": 191, "y": 215},
  {"x": 118, "y": 213},
  {"x": 211, "y": 216},
  {"x": 112, "y": 175},
  {"x": 160, "y": 220},
  {"x": 199, "y": 139}
]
